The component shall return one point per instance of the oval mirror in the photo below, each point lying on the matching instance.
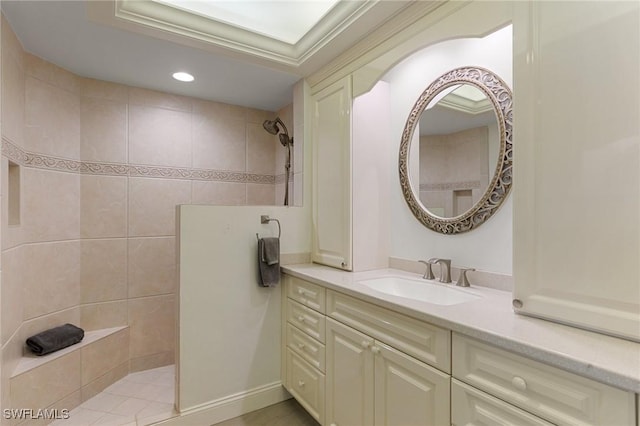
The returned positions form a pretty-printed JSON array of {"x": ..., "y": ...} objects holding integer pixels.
[{"x": 455, "y": 153}]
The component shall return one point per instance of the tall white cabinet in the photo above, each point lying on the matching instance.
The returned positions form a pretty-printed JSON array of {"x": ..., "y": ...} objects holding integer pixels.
[
  {"x": 350, "y": 140},
  {"x": 577, "y": 163}
]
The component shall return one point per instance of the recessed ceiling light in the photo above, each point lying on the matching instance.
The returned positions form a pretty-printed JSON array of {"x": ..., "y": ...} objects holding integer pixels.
[{"x": 183, "y": 76}]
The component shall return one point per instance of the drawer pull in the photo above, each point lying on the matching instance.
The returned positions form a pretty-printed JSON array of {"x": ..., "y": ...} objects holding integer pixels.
[
  {"x": 519, "y": 383},
  {"x": 375, "y": 349},
  {"x": 300, "y": 345},
  {"x": 300, "y": 291},
  {"x": 365, "y": 344},
  {"x": 301, "y": 383},
  {"x": 301, "y": 318}
]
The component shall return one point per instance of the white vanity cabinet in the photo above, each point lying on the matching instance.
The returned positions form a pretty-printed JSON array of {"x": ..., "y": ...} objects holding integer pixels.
[
  {"x": 304, "y": 349},
  {"x": 348, "y": 152},
  {"x": 349, "y": 362},
  {"x": 512, "y": 387},
  {"x": 371, "y": 383}
]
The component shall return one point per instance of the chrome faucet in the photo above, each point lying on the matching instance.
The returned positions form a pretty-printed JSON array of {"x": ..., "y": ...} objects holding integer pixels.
[
  {"x": 428, "y": 274},
  {"x": 445, "y": 268}
]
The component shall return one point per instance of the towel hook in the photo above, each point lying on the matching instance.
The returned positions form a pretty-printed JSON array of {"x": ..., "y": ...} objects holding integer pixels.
[{"x": 266, "y": 219}]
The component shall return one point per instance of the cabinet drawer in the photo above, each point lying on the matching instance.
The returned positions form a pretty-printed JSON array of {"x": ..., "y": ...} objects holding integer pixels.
[
  {"x": 307, "y": 320},
  {"x": 470, "y": 406},
  {"x": 421, "y": 340},
  {"x": 306, "y": 293},
  {"x": 553, "y": 394},
  {"x": 306, "y": 384},
  {"x": 309, "y": 349}
]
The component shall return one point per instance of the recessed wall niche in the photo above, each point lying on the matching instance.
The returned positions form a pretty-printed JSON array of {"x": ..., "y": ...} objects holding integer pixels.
[{"x": 13, "y": 194}]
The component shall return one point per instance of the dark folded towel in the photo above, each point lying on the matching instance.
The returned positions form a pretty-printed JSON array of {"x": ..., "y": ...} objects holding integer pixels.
[
  {"x": 269, "y": 261},
  {"x": 55, "y": 339}
]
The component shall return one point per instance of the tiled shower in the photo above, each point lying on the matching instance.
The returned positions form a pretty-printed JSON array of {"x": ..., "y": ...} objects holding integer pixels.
[{"x": 91, "y": 174}]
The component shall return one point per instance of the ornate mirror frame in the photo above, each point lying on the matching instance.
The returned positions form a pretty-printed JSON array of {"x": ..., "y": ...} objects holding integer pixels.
[{"x": 500, "y": 96}]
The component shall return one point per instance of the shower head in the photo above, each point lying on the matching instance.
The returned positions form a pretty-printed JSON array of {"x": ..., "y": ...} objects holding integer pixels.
[
  {"x": 271, "y": 126},
  {"x": 285, "y": 140}
]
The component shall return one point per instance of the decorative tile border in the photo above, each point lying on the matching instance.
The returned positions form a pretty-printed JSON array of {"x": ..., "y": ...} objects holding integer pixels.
[{"x": 39, "y": 161}]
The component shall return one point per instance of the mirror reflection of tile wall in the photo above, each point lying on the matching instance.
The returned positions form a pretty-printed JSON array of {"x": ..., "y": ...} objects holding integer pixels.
[{"x": 454, "y": 170}]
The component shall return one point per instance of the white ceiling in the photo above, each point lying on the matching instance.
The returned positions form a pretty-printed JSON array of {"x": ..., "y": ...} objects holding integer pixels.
[{"x": 141, "y": 43}]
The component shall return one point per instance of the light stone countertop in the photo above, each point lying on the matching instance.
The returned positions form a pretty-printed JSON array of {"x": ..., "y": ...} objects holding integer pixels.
[{"x": 607, "y": 359}]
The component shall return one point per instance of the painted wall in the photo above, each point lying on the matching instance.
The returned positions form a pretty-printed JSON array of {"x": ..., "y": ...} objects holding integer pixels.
[
  {"x": 488, "y": 247},
  {"x": 101, "y": 168}
]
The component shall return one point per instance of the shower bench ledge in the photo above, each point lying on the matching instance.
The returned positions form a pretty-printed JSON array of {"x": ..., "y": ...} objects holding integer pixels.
[{"x": 30, "y": 361}]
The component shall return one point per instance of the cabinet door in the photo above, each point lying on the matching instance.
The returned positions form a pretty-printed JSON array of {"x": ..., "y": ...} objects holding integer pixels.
[
  {"x": 349, "y": 377},
  {"x": 577, "y": 163},
  {"x": 407, "y": 391},
  {"x": 331, "y": 142}
]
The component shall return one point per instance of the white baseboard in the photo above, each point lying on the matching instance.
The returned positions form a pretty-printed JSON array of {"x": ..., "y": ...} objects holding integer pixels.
[{"x": 229, "y": 407}]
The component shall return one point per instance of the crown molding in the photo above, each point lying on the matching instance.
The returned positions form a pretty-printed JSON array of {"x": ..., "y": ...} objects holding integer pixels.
[
  {"x": 346, "y": 23},
  {"x": 466, "y": 105}
]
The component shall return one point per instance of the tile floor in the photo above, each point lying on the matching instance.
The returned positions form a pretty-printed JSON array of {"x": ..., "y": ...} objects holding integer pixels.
[
  {"x": 286, "y": 413},
  {"x": 147, "y": 397},
  {"x": 138, "y": 399}
]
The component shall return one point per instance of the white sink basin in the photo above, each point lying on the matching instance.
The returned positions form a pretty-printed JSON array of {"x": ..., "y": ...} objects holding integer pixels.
[{"x": 426, "y": 291}]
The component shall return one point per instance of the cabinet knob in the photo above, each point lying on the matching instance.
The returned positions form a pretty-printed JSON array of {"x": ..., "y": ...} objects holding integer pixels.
[
  {"x": 301, "y": 383},
  {"x": 375, "y": 349},
  {"x": 519, "y": 383},
  {"x": 301, "y": 318},
  {"x": 300, "y": 291},
  {"x": 365, "y": 344},
  {"x": 301, "y": 345}
]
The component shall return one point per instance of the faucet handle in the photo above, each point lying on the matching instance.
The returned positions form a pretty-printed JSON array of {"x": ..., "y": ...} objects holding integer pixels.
[
  {"x": 428, "y": 274},
  {"x": 462, "y": 279}
]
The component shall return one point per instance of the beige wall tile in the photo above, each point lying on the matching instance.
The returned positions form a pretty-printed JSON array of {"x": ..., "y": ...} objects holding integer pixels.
[
  {"x": 50, "y": 73},
  {"x": 218, "y": 142},
  {"x": 279, "y": 195},
  {"x": 51, "y": 277},
  {"x": 90, "y": 88},
  {"x": 152, "y": 361},
  {"x": 11, "y": 355},
  {"x": 219, "y": 193},
  {"x": 152, "y": 205},
  {"x": 220, "y": 110},
  {"x": 51, "y": 205},
  {"x": 45, "y": 322},
  {"x": 13, "y": 102},
  {"x": 152, "y": 325},
  {"x": 138, "y": 96},
  {"x": 258, "y": 116},
  {"x": 104, "y": 355},
  {"x": 52, "y": 120},
  {"x": 103, "y": 270},
  {"x": 103, "y": 130},
  {"x": 11, "y": 289},
  {"x": 103, "y": 206},
  {"x": 260, "y": 150},
  {"x": 261, "y": 195},
  {"x": 10, "y": 43},
  {"x": 159, "y": 137},
  {"x": 47, "y": 384},
  {"x": 104, "y": 381},
  {"x": 152, "y": 266},
  {"x": 95, "y": 316}
]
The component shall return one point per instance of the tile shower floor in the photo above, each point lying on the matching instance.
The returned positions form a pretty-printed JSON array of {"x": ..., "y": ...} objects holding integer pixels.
[{"x": 138, "y": 399}]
